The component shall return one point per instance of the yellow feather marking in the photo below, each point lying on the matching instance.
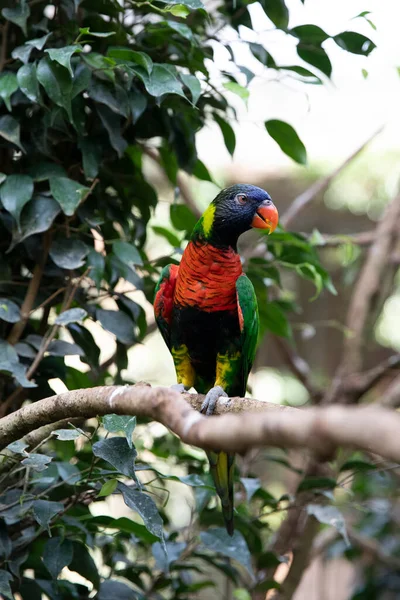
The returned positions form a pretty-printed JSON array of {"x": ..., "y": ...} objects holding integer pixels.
[
  {"x": 225, "y": 366},
  {"x": 184, "y": 370},
  {"x": 208, "y": 219}
]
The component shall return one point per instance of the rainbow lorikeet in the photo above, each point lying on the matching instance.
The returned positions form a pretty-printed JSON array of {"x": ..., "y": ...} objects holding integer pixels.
[{"x": 207, "y": 313}]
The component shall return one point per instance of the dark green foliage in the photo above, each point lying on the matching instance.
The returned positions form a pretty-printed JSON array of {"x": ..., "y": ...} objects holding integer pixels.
[{"x": 86, "y": 88}]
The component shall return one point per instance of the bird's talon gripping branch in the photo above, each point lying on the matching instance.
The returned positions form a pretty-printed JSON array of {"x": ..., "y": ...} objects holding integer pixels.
[{"x": 211, "y": 399}]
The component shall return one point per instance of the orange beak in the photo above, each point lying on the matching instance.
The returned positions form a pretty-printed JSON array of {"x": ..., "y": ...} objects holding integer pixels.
[{"x": 266, "y": 217}]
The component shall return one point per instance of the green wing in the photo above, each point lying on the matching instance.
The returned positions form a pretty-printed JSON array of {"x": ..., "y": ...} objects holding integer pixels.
[
  {"x": 249, "y": 325},
  {"x": 164, "y": 300}
]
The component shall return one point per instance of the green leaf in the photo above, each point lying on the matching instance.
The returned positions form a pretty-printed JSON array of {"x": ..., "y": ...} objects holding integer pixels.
[
  {"x": 201, "y": 172},
  {"x": 127, "y": 526},
  {"x": 65, "y": 435},
  {"x": 91, "y": 156},
  {"x": 274, "y": 319},
  {"x": 310, "y": 34},
  {"x": 356, "y": 465},
  {"x": 192, "y": 4},
  {"x": 237, "y": 89},
  {"x": 251, "y": 485},
  {"x": 117, "y": 452},
  {"x": 161, "y": 81},
  {"x": 315, "y": 56},
  {"x": 37, "y": 462},
  {"x": 68, "y": 193},
  {"x": 179, "y": 10},
  {"x": 227, "y": 133},
  {"x": 28, "y": 83},
  {"x": 73, "y": 315},
  {"x": 115, "y": 98},
  {"x": 355, "y": 43},
  {"x": 218, "y": 540},
  {"x": 8, "y": 85},
  {"x": 9, "y": 362},
  {"x": 112, "y": 123},
  {"x": 57, "y": 554},
  {"x": 44, "y": 170},
  {"x": 127, "y": 253},
  {"x": 110, "y": 588},
  {"x": 131, "y": 56},
  {"x": 316, "y": 483},
  {"x": 277, "y": 11},
  {"x": 3, "y": 177},
  {"x": 145, "y": 507},
  {"x": 182, "y": 29},
  {"x": 98, "y": 34},
  {"x": 70, "y": 474},
  {"x": 45, "y": 510},
  {"x": 166, "y": 555},
  {"x": 329, "y": 515},
  {"x": 84, "y": 564},
  {"x": 9, "y": 311},
  {"x": 63, "y": 56},
  {"x": 18, "y": 15},
  {"x": 36, "y": 217},
  {"x": 10, "y": 131},
  {"x": 304, "y": 74},
  {"x": 287, "y": 139},
  {"x": 138, "y": 104},
  {"x": 18, "y": 447},
  {"x": 95, "y": 261},
  {"x": 114, "y": 423},
  {"x": 5, "y": 589},
  {"x": 182, "y": 217},
  {"x": 194, "y": 86},
  {"x": 57, "y": 83},
  {"x": 68, "y": 253},
  {"x": 15, "y": 192},
  {"x": 168, "y": 235},
  {"x": 108, "y": 488}
]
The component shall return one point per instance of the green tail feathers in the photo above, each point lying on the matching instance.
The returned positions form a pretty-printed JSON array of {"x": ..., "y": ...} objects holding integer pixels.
[{"x": 222, "y": 467}]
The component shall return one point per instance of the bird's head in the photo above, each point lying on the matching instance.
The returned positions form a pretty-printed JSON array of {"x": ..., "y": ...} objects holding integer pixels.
[{"x": 235, "y": 210}]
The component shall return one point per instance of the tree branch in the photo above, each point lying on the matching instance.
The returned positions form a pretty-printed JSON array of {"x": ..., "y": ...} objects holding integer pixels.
[
  {"x": 321, "y": 430},
  {"x": 321, "y": 184}
]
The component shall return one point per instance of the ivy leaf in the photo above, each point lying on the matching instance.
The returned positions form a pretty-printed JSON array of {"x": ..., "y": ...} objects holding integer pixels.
[
  {"x": 91, "y": 155},
  {"x": 95, "y": 261},
  {"x": 145, "y": 507},
  {"x": 18, "y": 447},
  {"x": 117, "y": 323},
  {"x": 37, "y": 462},
  {"x": 127, "y": 253},
  {"x": 112, "y": 123},
  {"x": 73, "y": 315},
  {"x": 63, "y": 56},
  {"x": 165, "y": 558},
  {"x": 68, "y": 253},
  {"x": 251, "y": 485},
  {"x": 310, "y": 34},
  {"x": 194, "y": 86},
  {"x": 218, "y": 540},
  {"x": 287, "y": 139},
  {"x": 57, "y": 83},
  {"x": 28, "y": 83},
  {"x": 57, "y": 554},
  {"x": 182, "y": 217},
  {"x": 15, "y": 192},
  {"x": 18, "y": 15},
  {"x": 45, "y": 510},
  {"x": 84, "y": 564},
  {"x": 227, "y": 133},
  {"x": 67, "y": 434},
  {"x": 110, "y": 588},
  {"x": 192, "y": 4},
  {"x": 329, "y": 515},
  {"x": 114, "y": 423},
  {"x": 131, "y": 56},
  {"x": 36, "y": 217},
  {"x": 10, "y": 131},
  {"x": 9, "y": 311},
  {"x": 8, "y": 85},
  {"x": 117, "y": 452},
  {"x": 303, "y": 73},
  {"x": 68, "y": 193}
]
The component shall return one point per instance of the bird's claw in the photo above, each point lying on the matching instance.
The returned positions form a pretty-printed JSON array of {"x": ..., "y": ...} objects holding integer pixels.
[
  {"x": 178, "y": 387},
  {"x": 211, "y": 400}
]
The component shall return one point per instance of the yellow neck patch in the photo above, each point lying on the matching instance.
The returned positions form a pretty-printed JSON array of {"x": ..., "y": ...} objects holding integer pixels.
[{"x": 208, "y": 219}]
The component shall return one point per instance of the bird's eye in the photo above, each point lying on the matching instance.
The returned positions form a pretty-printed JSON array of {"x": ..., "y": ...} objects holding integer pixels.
[{"x": 241, "y": 198}]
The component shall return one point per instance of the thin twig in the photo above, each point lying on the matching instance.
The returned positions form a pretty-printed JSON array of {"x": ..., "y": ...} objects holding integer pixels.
[
  {"x": 3, "y": 48},
  {"x": 319, "y": 186}
]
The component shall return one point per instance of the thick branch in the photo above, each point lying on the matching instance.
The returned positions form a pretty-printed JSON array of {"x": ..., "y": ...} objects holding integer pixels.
[
  {"x": 318, "y": 429},
  {"x": 319, "y": 186}
]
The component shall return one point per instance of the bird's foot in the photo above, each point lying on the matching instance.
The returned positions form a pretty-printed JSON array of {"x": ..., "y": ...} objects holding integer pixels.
[
  {"x": 178, "y": 387},
  {"x": 211, "y": 400}
]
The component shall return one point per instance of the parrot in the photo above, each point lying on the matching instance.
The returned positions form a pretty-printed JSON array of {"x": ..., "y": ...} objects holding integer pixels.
[{"x": 207, "y": 313}]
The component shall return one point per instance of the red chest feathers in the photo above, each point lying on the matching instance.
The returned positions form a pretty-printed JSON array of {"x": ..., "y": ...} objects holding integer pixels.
[{"x": 207, "y": 278}]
